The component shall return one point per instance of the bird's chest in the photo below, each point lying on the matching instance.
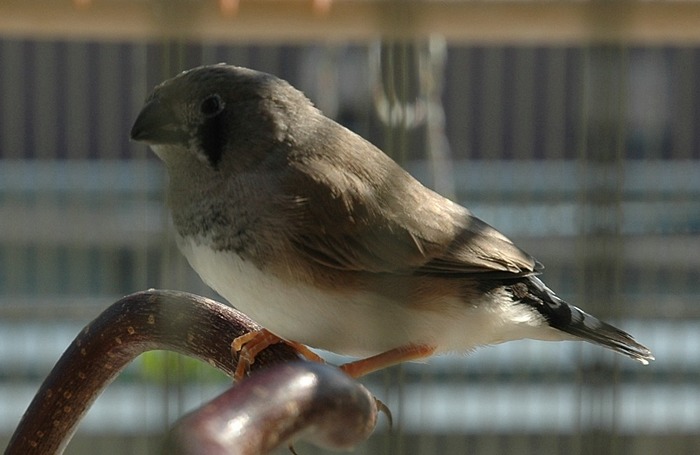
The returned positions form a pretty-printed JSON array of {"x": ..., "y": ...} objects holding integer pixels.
[{"x": 291, "y": 310}]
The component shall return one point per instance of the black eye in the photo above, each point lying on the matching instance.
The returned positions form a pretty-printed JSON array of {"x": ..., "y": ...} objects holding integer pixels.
[{"x": 211, "y": 106}]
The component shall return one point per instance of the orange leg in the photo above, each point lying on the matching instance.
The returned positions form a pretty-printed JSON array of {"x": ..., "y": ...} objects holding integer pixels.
[
  {"x": 248, "y": 346},
  {"x": 362, "y": 367}
]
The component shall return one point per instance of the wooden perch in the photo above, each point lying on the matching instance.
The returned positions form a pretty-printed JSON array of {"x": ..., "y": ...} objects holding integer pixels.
[
  {"x": 272, "y": 407},
  {"x": 200, "y": 328}
]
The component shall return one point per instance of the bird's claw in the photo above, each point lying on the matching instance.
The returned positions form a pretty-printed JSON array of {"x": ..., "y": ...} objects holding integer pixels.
[{"x": 246, "y": 347}]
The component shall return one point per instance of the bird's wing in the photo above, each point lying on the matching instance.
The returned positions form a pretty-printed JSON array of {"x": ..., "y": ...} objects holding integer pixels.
[{"x": 390, "y": 223}]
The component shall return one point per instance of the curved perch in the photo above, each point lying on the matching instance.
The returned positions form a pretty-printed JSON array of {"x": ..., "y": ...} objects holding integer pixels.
[
  {"x": 144, "y": 321},
  {"x": 273, "y": 407}
]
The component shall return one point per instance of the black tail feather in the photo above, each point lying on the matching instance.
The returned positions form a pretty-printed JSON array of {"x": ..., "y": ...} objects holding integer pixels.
[
  {"x": 593, "y": 330},
  {"x": 575, "y": 321}
]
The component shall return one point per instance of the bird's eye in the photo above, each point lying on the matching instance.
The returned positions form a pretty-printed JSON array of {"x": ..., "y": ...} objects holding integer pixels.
[{"x": 211, "y": 106}]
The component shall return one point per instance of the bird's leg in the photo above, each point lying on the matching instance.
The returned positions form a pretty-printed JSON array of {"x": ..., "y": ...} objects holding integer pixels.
[
  {"x": 248, "y": 346},
  {"x": 409, "y": 352}
]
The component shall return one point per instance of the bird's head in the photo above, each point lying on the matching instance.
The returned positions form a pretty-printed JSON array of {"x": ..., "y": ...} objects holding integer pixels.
[{"x": 211, "y": 112}]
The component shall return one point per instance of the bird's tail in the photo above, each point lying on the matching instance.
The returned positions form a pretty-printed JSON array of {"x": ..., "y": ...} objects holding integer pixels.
[{"x": 577, "y": 322}]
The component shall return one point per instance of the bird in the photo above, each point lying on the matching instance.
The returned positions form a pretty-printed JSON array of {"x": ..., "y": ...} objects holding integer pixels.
[{"x": 326, "y": 242}]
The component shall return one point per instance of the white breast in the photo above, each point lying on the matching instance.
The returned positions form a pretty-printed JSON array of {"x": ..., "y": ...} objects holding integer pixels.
[{"x": 361, "y": 323}]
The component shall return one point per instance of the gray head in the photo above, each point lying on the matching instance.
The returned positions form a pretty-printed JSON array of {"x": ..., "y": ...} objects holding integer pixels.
[{"x": 213, "y": 110}]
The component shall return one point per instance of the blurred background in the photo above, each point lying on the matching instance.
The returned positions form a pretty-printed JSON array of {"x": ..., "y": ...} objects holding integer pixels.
[{"x": 572, "y": 126}]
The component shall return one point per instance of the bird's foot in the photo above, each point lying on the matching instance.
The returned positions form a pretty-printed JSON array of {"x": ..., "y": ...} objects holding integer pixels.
[{"x": 248, "y": 346}]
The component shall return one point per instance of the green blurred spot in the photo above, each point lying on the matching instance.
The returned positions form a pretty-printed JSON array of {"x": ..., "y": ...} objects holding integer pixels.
[{"x": 162, "y": 366}]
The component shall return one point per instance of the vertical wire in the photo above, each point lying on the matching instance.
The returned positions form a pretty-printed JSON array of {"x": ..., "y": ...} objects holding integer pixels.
[
  {"x": 142, "y": 252},
  {"x": 582, "y": 146},
  {"x": 44, "y": 119},
  {"x": 601, "y": 212},
  {"x": 77, "y": 101},
  {"x": 432, "y": 77},
  {"x": 13, "y": 106}
]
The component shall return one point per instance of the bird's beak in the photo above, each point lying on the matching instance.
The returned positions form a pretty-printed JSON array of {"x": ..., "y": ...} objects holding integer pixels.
[{"x": 156, "y": 124}]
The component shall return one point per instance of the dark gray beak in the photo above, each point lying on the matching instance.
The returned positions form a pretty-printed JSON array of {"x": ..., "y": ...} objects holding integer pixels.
[{"x": 157, "y": 124}]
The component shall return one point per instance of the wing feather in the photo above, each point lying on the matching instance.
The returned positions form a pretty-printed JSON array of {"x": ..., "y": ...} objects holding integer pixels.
[{"x": 372, "y": 216}]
